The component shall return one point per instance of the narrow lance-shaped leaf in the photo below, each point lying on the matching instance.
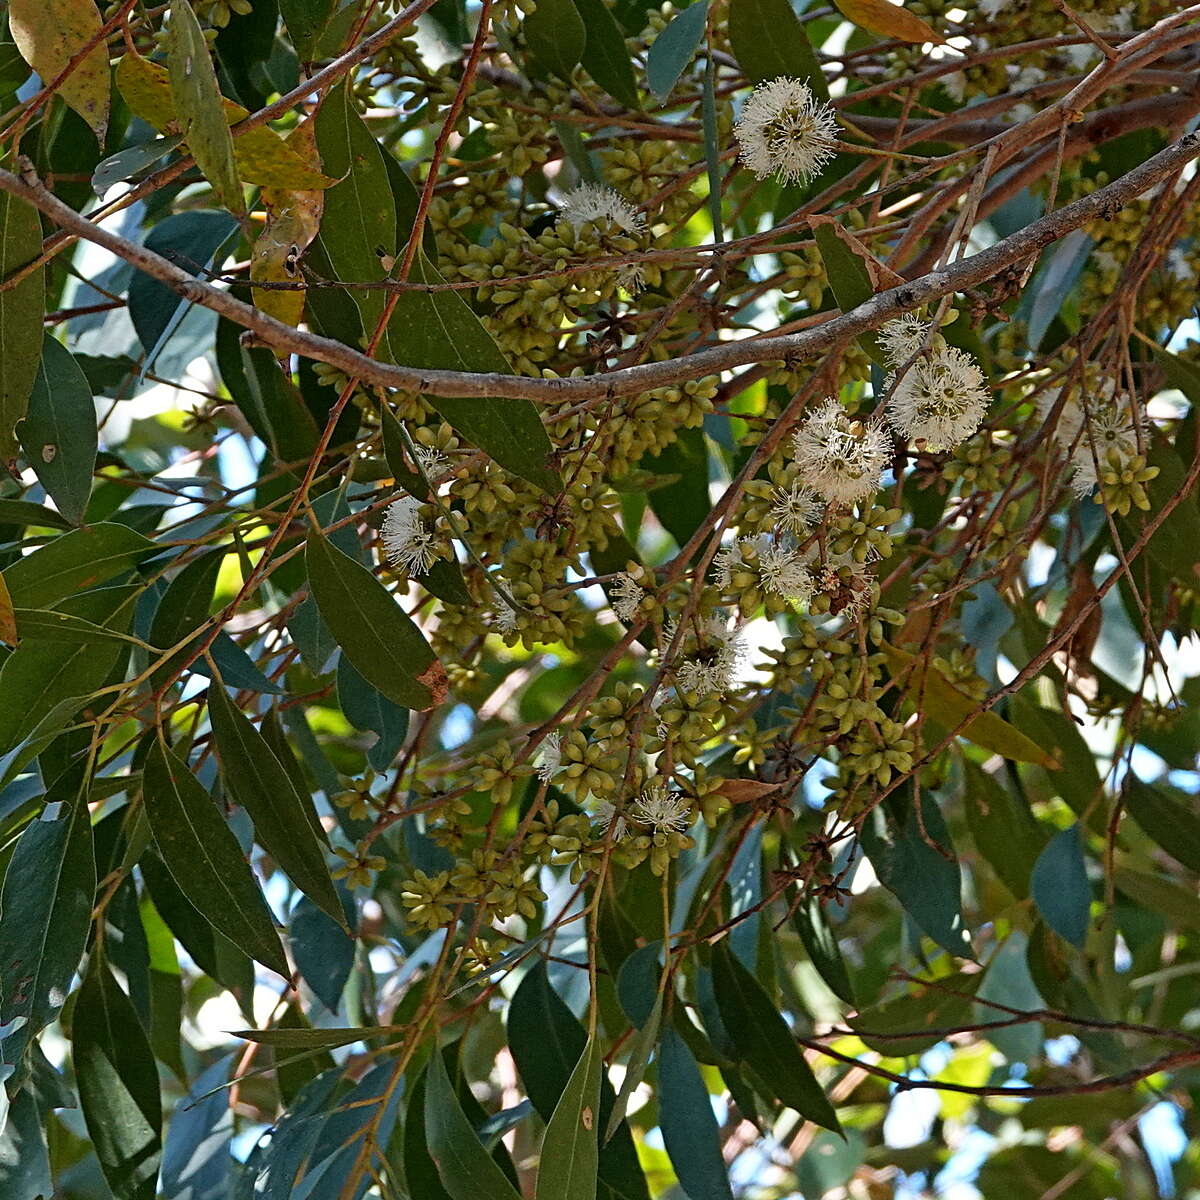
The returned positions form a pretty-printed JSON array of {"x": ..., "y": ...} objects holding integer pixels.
[
  {"x": 1174, "y": 825},
  {"x": 467, "y": 1170},
  {"x": 45, "y": 911},
  {"x": 570, "y": 1153},
  {"x": 58, "y": 434},
  {"x": 74, "y": 562},
  {"x": 21, "y": 310},
  {"x": 439, "y": 330},
  {"x": 556, "y": 36},
  {"x": 358, "y": 224},
  {"x": 376, "y": 634},
  {"x": 763, "y": 1038},
  {"x": 1060, "y": 887},
  {"x": 118, "y": 1085},
  {"x": 204, "y": 858},
  {"x": 689, "y": 1126},
  {"x": 197, "y": 100},
  {"x": 674, "y": 48},
  {"x": 889, "y": 20},
  {"x": 263, "y": 788},
  {"x": 605, "y": 57},
  {"x": 768, "y": 40},
  {"x": 949, "y": 706}
]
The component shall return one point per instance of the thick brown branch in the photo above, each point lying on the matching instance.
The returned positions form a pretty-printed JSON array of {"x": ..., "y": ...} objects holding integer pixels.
[{"x": 797, "y": 347}]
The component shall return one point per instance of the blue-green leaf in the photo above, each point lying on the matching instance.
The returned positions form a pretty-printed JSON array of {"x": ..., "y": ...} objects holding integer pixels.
[
  {"x": 689, "y": 1127},
  {"x": 1060, "y": 888},
  {"x": 674, "y": 48},
  {"x": 925, "y": 879},
  {"x": 768, "y": 40},
  {"x": 765, "y": 1042},
  {"x": 467, "y": 1170},
  {"x": 374, "y": 632},
  {"x": 45, "y": 911},
  {"x": 556, "y": 35}
]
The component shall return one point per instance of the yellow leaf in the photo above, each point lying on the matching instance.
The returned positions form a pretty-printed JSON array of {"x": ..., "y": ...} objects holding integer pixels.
[
  {"x": 293, "y": 218},
  {"x": 49, "y": 33},
  {"x": 262, "y": 156},
  {"x": 949, "y": 706},
  {"x": 888, "y": 20}
]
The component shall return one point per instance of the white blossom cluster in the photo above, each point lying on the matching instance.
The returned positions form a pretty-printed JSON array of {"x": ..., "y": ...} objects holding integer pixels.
[
  {"x": 409, "y": 541},
  {"x": 939, "y": 396},
  {"x": 841, "y": 459},
  {"x": 1104, "y": 429},
  {"x": 784, "y": 130},
  {"x": 714, "y": 669},
  {"x": 595, "y": 204}
]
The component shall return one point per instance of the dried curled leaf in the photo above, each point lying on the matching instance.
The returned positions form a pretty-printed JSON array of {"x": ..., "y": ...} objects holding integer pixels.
[
  {"x": 293, "y": 218},
  {"x": 262, "y": 156}
]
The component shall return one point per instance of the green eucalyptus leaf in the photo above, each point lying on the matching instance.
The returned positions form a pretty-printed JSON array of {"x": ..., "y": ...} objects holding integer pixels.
[
  {"x": 58, "y": 434},
  {"x": 205, "y": 860}
]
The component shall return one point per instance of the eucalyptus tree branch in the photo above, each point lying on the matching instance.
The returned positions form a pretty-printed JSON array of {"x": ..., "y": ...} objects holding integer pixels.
[{"x": 959, "y": 276}]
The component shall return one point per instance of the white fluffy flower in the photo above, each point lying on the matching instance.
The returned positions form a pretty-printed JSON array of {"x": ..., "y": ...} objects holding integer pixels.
[
  {"x": 1179, "y": 266},
  {"x": 714, "y": 667},
  {"x": 549, "y": 757},
  {"x": 940, "y": 400},
  {"x": 607, "y": 818},
  {"x": 780, "y": 569},
  {"x": 846, "y": 581},
  {"x": 784, "y": 572},
  {"x": 902, "y": 338},
  {"x": 592, "y": 202},
  {"x": 1089, "y": 431},
  {"x": 663, "y": 810},
  {"x": 409, "y": 543},
  {"x": 840, "y": 458},
  {"x": 795, "y": 509},
  {"x": 783, "y": 128},
  {"x": 433, "y": 462},
  {"x": 625, "y": 595}
]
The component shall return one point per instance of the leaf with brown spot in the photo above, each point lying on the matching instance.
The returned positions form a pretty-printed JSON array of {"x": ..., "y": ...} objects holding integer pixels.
[
  {"x": 49, "y": 33},
  {"x": 293, "y": 218}
]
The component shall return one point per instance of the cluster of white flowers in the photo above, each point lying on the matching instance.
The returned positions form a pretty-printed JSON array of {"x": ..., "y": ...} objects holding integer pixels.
[
  {"x": 1104, "y": 429},
  {"x": 781, "y": 569},
  {"x": 549, "y": 757},
  {"x": 784, "y": 129},
  {"x": 714, "y": 668},
  {"x": 938, "y": 399},
  {"x": 595, "y": 204},
  {"x": 604, "y": 815},
  {"x": 840, "y": 459},
  {"x": 625, "y": 595},
  {"x": 433, "y": 462},
  {"x": 663, "y": 810},
  {"x": 410, "y": 542},
  {"x": 795, "y": 509}
]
